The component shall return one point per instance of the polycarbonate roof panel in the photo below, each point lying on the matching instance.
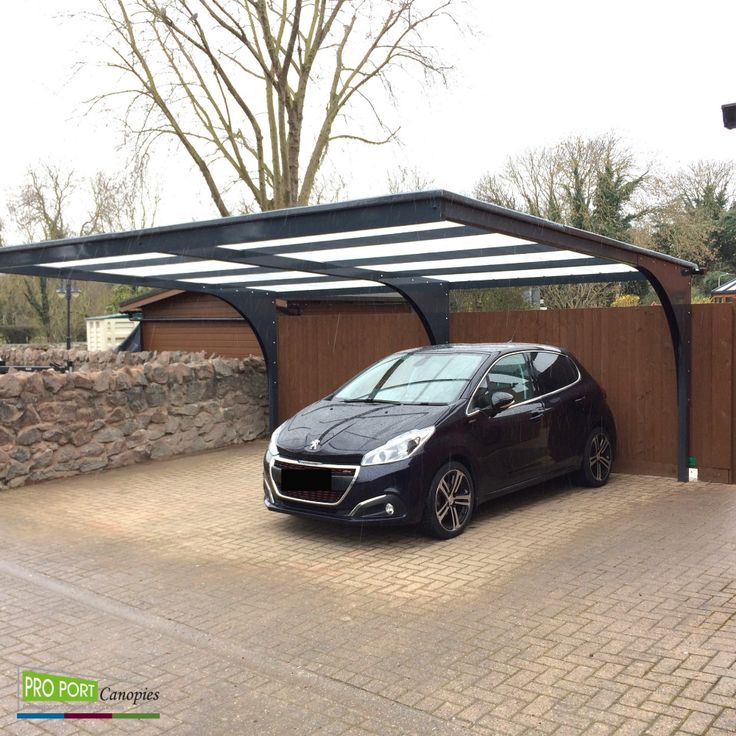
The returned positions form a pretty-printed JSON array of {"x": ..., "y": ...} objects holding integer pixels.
[
  {"x": 536, "y": 273},
  {"x": 458, "y": 245},
  {"x": 137, "y": 258},
  {"x": 190, "y": 266},
  {"x": 316, "y": 286},
  {"x": 345, "y": 235},
  {"x": 250, "y": 278},
  {"x": 380, "y": 244},
  {"x": 727, "y": 288},
  {"x": 471, "y": 262}
]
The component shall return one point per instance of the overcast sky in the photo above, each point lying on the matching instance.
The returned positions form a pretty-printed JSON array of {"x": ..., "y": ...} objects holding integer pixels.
[{"x": 534, "y": 72}]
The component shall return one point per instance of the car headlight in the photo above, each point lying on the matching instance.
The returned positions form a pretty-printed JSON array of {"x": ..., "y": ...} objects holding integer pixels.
[
  {"x": 272, "y": 449},
  {"x": 399, "y": 448}
]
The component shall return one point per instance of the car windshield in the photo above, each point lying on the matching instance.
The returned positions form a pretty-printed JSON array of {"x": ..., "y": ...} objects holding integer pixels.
[{"x": 413, "y": 378}]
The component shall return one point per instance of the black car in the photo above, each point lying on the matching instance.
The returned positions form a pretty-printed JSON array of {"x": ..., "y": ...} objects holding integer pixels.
[{"x": 425, "y": 435}]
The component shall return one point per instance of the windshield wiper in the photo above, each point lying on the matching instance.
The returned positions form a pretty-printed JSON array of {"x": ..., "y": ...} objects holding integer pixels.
[
  {"x": 396, "y": 403},
  {"x": 369, "y": 401}
]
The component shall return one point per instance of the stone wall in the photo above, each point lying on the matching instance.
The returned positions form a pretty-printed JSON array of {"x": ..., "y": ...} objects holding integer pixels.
[
  {"x": 82, "y": 359},
  {"x": 115, "y": 409}
]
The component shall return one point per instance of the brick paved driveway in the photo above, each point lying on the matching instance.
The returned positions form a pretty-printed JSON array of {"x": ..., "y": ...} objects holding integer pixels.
[{"x": 561, "y": 610}]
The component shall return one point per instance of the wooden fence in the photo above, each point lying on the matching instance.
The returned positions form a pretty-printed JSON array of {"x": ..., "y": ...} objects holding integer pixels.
[{"x": 627, "y": 350}]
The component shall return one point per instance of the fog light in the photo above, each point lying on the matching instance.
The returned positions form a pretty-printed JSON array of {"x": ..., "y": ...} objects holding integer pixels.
[{"x": 389, "y": 509}]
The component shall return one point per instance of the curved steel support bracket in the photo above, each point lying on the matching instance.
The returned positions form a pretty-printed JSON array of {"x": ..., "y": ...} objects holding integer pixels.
[
  {"x": 673, "y": 290},
  {"x": 259, "y": 311},
  {"x": 431, "y": 302}
]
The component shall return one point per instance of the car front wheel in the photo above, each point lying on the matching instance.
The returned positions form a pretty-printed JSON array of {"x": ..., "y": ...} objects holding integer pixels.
[
  {"x": 597, "y": 459},
  {"x": 450, "y": 502}
]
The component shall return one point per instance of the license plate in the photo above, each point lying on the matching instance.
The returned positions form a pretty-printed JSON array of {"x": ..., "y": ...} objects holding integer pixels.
[{"x": 305, "y": 479}]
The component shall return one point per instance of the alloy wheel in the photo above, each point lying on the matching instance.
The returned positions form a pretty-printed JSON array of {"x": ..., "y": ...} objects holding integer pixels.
[
  {"x": 600, "y": 457},
  {"x": 453, "y": 500}
]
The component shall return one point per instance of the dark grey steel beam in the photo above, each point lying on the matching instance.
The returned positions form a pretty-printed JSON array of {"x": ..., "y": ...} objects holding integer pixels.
[
  {"x": 431, "y": 302},
  {"x": 77, "y": 275},
  {"x": 259, "y": 310},
  {"x": 74, "y": 249},
  {"x": 458, "y": 255},
  {"x": 452, "y": 232},
  {"x": 276, "y": 263},
  {"x": 499, "y": 268},
  {"x": 168, "y": 260},
  {"x": 673, "y": 289},
  {"x": 397, "y": 210},
  {"x": 516, "y": 224},
  {"x": 424, "y": 295},
  {"x": 501, "y": 283}
]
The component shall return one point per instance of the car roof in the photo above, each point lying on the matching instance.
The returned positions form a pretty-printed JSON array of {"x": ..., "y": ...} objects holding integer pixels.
[{"x": 491, "y": 348}]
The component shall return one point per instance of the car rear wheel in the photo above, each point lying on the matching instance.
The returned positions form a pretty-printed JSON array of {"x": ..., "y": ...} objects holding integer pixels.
[
  {"x": 597, "y": 459},
  {"x": 450, "y": 502}
]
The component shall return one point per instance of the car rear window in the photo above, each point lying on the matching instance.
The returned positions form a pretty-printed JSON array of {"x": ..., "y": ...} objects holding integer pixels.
[{"x": 553, "y": 371}]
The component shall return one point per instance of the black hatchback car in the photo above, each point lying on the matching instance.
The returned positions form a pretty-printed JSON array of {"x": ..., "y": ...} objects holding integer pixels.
[{"x": 425, "y": 435}]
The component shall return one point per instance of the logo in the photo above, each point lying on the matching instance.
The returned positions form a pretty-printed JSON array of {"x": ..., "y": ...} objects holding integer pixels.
[
  {"x": 313, "y": 445},
  {"x": 38, "y": 687}
]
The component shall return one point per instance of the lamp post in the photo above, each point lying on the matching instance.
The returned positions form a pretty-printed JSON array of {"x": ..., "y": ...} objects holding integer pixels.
[{"x": 68, "y": 289}]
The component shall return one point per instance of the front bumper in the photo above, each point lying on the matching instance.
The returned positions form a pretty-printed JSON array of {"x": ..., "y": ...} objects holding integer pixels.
[{"x": 401, "y": 485}]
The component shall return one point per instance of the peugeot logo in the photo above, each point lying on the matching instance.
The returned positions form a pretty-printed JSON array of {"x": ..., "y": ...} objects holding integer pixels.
[{"x": 313, "y": 445}]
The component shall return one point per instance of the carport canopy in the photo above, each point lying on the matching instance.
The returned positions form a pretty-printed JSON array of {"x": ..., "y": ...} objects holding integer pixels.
[{"x": 420, "y": 245}]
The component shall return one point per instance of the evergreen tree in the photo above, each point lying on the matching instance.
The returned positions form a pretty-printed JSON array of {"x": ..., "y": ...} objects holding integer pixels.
[
  {"x": 724, "y": 239},
  {"x": 589, "y": 183},
  {"x": 612, "y": 214},
  {"x": 695, "y": 221}
]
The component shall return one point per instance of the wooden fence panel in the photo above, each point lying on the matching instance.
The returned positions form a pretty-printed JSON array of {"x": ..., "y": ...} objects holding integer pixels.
[
  {"x": 712, "y": 430},
  {"x": 319, "y": 352},
  {"x": 627, "y": 350}
]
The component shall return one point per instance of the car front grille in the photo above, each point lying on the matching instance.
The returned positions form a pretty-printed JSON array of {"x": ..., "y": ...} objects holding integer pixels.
[
  {"x": 313, "y": 483},
  {"x": 325, "y": 457},
  {"x": 330, "y": 497}
]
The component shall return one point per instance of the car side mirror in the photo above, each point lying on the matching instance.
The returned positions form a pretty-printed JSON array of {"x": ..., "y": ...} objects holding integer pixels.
[
  {"x": 482, "y": 400},
  {"x": 501, "y": 400}
]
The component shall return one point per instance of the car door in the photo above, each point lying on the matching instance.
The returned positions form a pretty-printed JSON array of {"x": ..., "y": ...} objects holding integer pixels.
[
  {"x": 566, "y": 406},
  {"x": 510, "y": 442}
]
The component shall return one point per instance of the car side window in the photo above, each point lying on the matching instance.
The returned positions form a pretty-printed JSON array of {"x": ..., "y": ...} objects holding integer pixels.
[
  {"x": 553, "y": 371},
  {"x": 510, "y": 374}
]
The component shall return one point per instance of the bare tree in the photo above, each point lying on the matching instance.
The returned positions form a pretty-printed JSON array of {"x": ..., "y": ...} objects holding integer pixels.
[
  {"x": 39, "y": 209},
  {"x": 122, "y": 201},
  {"x": 710, "y": 185},
  {"x": 694, "y": 203},
  {"x": 408, "y": 179},
  {"x": 562, "y": 182},
  {"x": 39, "y": 213},
  {"x": 54, "y": 204},
  {"x": 579, "y": 296},
  {"x": 589, "y": 183},
  {"x": 256, "y": 91}
]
